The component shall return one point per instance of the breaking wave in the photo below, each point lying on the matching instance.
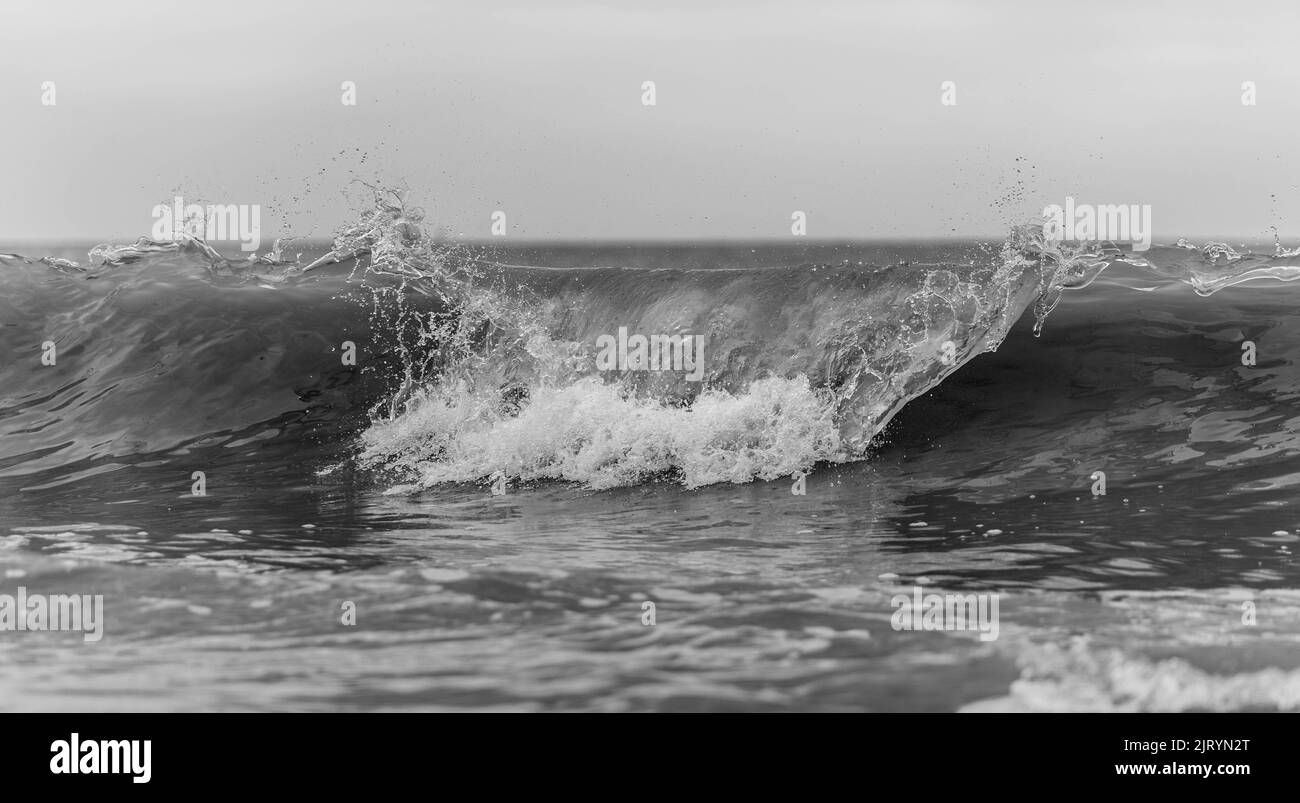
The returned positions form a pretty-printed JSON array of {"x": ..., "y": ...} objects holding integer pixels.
[{"x": 473, "y": 369}]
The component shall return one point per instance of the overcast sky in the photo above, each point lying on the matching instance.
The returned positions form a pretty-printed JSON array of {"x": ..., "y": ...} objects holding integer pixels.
[{"x": 763, "y": 108}]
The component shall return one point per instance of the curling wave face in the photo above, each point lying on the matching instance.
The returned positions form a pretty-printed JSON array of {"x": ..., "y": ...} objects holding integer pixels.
[{"x": 472, "y": 368}]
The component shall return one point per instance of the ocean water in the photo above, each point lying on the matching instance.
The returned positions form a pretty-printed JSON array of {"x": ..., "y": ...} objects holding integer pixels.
[{"x": 496, "y": 511}]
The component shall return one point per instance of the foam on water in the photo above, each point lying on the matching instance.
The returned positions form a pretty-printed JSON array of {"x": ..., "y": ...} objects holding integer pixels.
[
  {"x": 1078, "y": 677},
  {"x": 603, "y": 436}
]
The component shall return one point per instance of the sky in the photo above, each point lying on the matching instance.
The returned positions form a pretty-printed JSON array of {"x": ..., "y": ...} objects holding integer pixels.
[{"x": 535, "y": 109}]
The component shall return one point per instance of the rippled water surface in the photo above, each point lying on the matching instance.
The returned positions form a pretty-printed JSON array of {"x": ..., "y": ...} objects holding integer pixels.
[{"x": 764, "y": 600}]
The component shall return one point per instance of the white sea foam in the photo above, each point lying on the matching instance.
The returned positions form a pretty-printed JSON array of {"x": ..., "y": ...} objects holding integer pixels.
[{"x": 600, "y": 435}]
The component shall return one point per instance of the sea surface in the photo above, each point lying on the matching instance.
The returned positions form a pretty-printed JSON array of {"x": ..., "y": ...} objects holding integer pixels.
[{"x": 494, "y": 512}]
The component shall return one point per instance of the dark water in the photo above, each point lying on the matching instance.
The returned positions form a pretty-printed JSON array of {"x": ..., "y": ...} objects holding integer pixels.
[{"x": 765, "y": 600}]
